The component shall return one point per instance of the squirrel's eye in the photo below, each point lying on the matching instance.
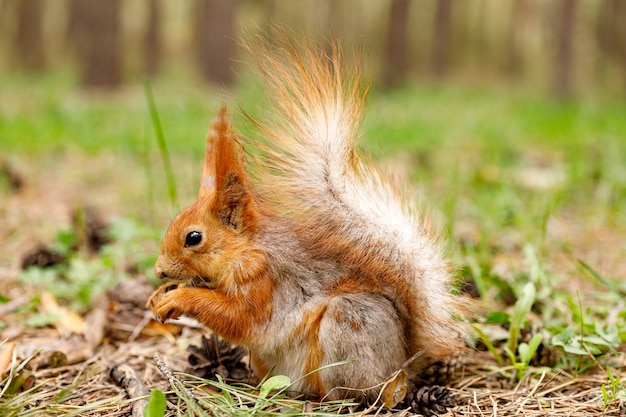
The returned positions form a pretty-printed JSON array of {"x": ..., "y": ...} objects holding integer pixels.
[{"x": 193, "y": 238}]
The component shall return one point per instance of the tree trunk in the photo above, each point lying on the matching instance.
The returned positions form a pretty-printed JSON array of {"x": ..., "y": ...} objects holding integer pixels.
[
  {"x": 514, "y": 63},
  {"x": 396, "y": 51},
  {"x": 441, "y": 37},
  {"x": 98, "y": 40},
  {"x": 28, "y": 46},
  {"x": 564, "y": 53},
  {"x": 611, "y": 35},
  {"x": 214, "y": 39},
  {"x": 152, "y": 38}
]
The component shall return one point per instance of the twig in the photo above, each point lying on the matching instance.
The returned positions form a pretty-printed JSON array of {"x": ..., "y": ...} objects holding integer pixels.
[
  {"x": 556, "y": 388},
  {"x": 477, "y": 406},
  {"x": 84, "y": 393},
  {"x": 139, "y": 327},
  {"x": 494, "y": 404},
  {"x": 126, "y": 377}
]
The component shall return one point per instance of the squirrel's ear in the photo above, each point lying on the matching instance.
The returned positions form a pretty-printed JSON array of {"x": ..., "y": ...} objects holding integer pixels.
[
  {"x": 233, "y": 202},
  {"x": 223, "y": 154}
]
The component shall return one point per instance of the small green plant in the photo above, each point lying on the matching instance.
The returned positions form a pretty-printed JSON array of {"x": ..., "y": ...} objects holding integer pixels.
[
  {"x": 583, "y": 344},
  {"x": 266, "y": 399},
  {"x": 519, "y": 353},
  {"x": 613, "y": 391},
  {"x": 525, "y": 299},
  {"x": 156, "y": 406},
  {"x": 577, "y": 341},
  {"x": 588, "y": 336}
]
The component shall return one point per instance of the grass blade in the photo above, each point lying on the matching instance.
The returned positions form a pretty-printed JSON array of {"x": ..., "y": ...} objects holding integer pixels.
[
  {"x": 158, "y": 132},
  {"x": 606, "y": 283}
]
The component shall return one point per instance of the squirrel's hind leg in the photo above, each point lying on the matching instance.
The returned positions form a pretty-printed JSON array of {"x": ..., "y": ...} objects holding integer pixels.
[{"x": 366, "y": 330}]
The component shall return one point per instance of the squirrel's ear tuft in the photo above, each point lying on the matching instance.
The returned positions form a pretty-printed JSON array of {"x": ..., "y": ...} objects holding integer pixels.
[
  {"x": 223, "y": 154},
  {"x": 224, "y": 179}
]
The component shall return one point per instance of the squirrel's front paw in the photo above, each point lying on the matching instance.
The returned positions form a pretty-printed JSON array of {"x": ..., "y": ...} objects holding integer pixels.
[{"x": 164, "y": 303}]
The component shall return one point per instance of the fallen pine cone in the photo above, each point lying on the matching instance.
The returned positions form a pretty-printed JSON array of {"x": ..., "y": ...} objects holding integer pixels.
[
  {"x": 90, "y": 229},
  {"x": 218, "y": 357},
  {"x": 42, "y": 257},
  {"x": 431, "y": 400},
  {"x": 440, "y": 372}
]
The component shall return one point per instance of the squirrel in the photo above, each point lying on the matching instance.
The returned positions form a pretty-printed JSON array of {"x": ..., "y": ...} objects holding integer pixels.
[{"x": 304, "y": 252}]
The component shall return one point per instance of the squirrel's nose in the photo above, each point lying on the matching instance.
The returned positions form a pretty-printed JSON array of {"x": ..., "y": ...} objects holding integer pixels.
[{"x": 159, "y": 272}]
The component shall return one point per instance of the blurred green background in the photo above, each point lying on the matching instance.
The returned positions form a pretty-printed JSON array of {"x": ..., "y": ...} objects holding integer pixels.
[{"x": 509, "y": 115}]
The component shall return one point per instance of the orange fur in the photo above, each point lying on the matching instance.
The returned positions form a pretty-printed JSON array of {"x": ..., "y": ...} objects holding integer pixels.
[
  {"x": 259, "y": 367},
  {"x": 233, "y": 316},
  {"x": 310, "y": 331}
]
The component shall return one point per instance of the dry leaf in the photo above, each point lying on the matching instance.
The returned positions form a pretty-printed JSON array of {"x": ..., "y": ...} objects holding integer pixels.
[
  {"x": 6, "y": 356},
  {"x": 68, "y": 321},
  {"x": 169, "y": 330},
  {"x": 395, "y": 389}
]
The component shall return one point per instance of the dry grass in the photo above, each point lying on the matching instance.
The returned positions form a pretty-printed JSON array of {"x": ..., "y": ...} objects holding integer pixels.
[{"x": 86, "y": 388}]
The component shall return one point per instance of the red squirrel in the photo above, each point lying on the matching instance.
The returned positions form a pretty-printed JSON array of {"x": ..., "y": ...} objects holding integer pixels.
[{"x": 302, "y": 251}]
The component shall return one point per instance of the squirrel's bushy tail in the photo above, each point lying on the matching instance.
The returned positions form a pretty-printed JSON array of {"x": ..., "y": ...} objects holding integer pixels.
[
  {"x": 316, "y": 113},
  {"x": 312, "y": 134},
  {"x": 311, "y": 163}
]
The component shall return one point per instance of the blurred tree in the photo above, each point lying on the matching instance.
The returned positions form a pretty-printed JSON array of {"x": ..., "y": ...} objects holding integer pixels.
[
  {"x": 610, "y": 26},
  {"x": 94, "y": 29},
  {"x": 514, "y": 58},
  {"x": 396, "y": 57},
  {"x": 152, "y": 38},
  {"x": 564, "y": 54},
  {"x": 73, "y": 21},
  {"x": 214, "y": 39},
  {"x": 441, "y": 37},
  {"x": 28, "y": 48}
]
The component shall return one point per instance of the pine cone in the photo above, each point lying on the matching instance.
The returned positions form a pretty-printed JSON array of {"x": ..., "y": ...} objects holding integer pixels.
[
  {"x": 216, "y": 356},
  {"x": 42, "y": 257},
  {"x": 440, "y": 372},
  {"x": 90, "y": 228},
  {"x": 431, "y": 400}
]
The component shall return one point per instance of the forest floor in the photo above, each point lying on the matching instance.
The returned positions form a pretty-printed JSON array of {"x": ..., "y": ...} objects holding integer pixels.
[
  {"x": 115, "y": 328},
  {"x": 540, "y": 213}
]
